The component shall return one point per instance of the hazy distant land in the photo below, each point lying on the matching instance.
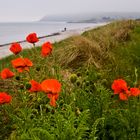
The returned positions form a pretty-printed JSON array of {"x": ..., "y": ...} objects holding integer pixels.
[{"x": 92, "y": 17}]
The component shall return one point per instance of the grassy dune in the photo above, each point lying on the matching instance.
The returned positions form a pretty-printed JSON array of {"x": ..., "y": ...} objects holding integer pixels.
[{"x": 87, "y": 108}]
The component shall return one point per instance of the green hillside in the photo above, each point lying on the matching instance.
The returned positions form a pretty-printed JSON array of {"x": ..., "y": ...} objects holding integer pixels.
[{"x": 87, "y": 107}]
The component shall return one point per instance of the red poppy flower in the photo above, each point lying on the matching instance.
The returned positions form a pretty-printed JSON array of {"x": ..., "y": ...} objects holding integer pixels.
[
  {"x": 51, "y": 86},
  {"x": 134, "y": 92},
  {"x": 119, "y": 86},
  {"x": 15, "y": 48},
  {"x": 5, "y": 98},
  {"x": 22, "y": 64},
  {"x": 6, "y": 73},
  {"x": 46, "y": 49},
  {"x": 32, "y": 38},
  {"x": 123, "y": 96},
  {"x": 53, "y": 98},
  {"x": 35, "y": 86}
]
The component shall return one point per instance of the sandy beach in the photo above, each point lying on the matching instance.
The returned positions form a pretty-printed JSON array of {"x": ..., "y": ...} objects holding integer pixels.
[{"x": 4, "y": 50}]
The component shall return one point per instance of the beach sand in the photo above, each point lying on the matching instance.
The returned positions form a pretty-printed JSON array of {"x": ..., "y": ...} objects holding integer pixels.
[{"x": 4, "y": 50}]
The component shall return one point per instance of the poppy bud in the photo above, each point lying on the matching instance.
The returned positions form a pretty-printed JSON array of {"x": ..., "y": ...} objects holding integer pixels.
[
  {"x": 78, "y": 83},
  {"x": 73, "y": 78},
  {"x": 14, "y": 126},
  {"x": 17, "y": 77},
  {"x": 99, "y": 75},
  {"x": 21, "y": 86},
  {"x": 38, "y": 69},
  {"x": 28, "y": 86},
  {"x": 39, "y": 99},
  {"x": 47, "y": 110},
  {"x": 87, "y": 83},
  {"x": 61, "y": 102},
  {"x": 112, "y": 96},
  {"x": 53, "y": 111},
  {"x": 78, "y": 112},
  {"x": 79, "y": 74}
]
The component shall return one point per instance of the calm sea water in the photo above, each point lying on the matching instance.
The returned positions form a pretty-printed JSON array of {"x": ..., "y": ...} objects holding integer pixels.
[{"x": 12, "y": 32}]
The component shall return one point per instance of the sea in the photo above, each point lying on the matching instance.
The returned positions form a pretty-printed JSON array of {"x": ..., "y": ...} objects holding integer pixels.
[{"x": 13, "y": 32}]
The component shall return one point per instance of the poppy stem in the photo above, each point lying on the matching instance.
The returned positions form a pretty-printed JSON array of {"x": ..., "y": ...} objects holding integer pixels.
[
  {"x": 41, "y": 110},
  {"x": 29, "y": 74},
  {"x": 20, "y": 56},
  {"x": 34, "y": 44},
  {"x": 36, "y": 95}
]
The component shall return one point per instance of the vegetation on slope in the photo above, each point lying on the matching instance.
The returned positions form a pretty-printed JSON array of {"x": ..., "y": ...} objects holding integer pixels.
[{"x": 87, "y": 108}]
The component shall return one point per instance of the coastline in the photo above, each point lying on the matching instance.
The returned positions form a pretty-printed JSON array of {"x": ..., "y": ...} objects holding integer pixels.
[
  {"x": 55, "y": 37},
  {"x": 57, "y": 33}
]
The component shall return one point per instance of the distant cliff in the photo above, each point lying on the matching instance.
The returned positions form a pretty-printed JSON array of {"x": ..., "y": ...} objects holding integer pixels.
[{"x": 92, "y": 17}]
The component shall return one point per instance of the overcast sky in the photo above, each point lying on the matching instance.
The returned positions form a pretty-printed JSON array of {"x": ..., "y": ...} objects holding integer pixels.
[{"x": 30, "y": 10}]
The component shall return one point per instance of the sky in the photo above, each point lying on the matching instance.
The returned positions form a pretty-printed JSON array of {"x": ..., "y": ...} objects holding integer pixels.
[{"x": 33, "y": 10}]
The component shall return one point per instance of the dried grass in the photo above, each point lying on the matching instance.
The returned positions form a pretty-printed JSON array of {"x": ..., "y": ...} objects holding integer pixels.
[
  {"x": 93, "y": 47},
  {"x": 79, "y": 52}
]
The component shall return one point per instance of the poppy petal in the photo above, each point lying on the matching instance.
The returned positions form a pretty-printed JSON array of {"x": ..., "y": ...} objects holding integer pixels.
[
  {"x": 123, "y": 96},
  {"x": 15, "y": 48},
  {"x": 32, "y": 38},
  {"x": 51, "y": 85},
  {"x": 6, "y": 73}
]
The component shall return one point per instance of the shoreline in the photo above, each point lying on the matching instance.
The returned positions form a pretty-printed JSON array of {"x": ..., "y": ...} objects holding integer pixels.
[
  {"x": 53, "y": 34},
  {"x": 54, "y": 37}
]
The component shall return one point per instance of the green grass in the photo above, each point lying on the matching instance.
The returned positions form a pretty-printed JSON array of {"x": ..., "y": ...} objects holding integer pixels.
[{"x": 86, "y": 66}]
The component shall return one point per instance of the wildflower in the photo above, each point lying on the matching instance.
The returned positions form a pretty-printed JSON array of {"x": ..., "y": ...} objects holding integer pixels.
[
  {"x": 6, "y": 73},
  {"x": 119, "y": 86},
  {"x": 134, "y": 92},
  {"x": 15, "y": 48},
  {"x": 21, "y": 64},
  {"x": 35, "y": 86},
  {"x": 46, "y": 49},
  {"x": 32, "y": 38},
  {"x": 52, "y": 87},
  {"x": 5, "y": 98}
]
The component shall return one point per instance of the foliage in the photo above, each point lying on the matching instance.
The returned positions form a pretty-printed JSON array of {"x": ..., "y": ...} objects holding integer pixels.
[{"x": 87, "y": 108}]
